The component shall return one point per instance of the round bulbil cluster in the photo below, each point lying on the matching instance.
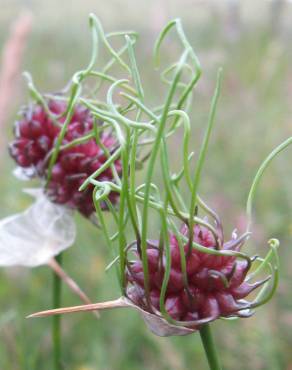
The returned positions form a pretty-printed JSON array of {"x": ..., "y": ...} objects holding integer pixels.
[
  {"x": 36, "y": 133},
  {"x": 215, "y": 285}
]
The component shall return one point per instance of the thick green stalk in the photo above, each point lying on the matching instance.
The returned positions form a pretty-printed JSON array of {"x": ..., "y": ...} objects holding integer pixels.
[
  {"x": 56, "y": 323},
  {"x": 209, "y": 347}
]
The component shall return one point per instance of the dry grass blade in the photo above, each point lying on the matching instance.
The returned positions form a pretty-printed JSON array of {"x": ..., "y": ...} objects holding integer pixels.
[
  {"x": 70, "y": 283},
  {"x": 11, "y": 63}
]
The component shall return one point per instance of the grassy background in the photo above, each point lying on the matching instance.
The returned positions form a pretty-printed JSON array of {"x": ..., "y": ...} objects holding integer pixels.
[{"x": 254, "y": 116}]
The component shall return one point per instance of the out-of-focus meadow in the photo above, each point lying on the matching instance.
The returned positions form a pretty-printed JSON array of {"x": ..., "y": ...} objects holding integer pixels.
[{"x": 252, "y": 41}]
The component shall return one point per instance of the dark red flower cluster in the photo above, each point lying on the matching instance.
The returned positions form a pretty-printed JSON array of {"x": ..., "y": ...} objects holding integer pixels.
[
  {"x": 35, "y": 137},
  {"x": 215, "y": 284}
]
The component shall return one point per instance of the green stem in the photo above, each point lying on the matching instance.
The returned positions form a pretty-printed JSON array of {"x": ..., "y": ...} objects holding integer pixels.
[
  {"x": 258, "y": 176},
  {"x": 56, "y": 323},
  {"x": 209, "y": 347}
]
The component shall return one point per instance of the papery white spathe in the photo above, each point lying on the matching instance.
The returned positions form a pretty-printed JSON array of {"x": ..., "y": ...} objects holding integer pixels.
[
  {"x": 33, "y": 237},
  {"x": 23, "y": 174}
]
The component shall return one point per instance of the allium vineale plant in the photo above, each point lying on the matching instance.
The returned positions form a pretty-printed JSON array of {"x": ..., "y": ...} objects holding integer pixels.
[
  {"x": 61, "y": 139},
  {"x": 177, "y": 268}
]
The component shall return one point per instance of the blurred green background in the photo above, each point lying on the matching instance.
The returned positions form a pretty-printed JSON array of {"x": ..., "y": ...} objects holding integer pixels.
[{"x": 252, "y": 41}]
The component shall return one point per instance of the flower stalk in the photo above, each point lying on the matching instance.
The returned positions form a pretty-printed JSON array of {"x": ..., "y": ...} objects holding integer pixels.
[
  {"x": 209, "y": 347},
  {"x": 56, "y": 320}
]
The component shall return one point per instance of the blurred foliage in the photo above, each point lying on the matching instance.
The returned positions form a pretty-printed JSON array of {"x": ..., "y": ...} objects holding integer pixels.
[{"x": 251, "y": 43}]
